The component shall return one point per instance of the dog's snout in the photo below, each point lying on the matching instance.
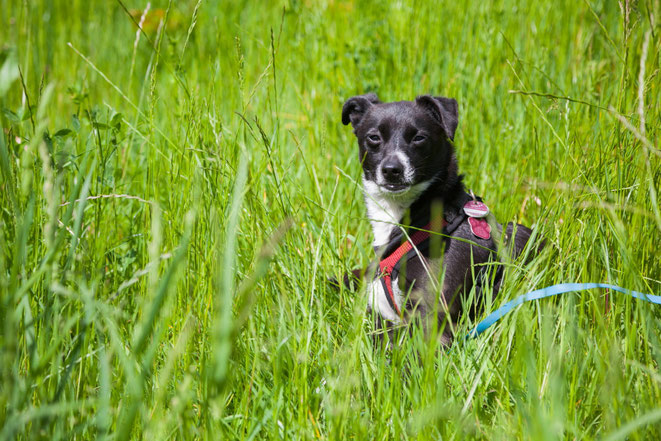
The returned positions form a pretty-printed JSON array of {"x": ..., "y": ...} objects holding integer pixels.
[{"x": 392, "y": 170}]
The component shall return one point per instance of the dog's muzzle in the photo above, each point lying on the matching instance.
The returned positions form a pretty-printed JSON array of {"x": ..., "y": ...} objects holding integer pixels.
[{"x": 392, "y": 175}]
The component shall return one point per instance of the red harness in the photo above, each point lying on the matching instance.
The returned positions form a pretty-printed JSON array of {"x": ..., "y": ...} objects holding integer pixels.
[{"x": 387, "y": 264}]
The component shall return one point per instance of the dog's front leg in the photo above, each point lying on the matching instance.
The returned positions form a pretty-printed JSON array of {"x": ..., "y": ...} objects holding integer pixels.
[{"x": 462, "y": 265}]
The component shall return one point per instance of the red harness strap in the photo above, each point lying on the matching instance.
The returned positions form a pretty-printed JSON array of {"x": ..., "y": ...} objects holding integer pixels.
[{"x": 387, "y": 264}]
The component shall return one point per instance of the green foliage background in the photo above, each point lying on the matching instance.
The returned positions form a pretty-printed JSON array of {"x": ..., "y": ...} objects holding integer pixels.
[{"x": 173, "y": 201}]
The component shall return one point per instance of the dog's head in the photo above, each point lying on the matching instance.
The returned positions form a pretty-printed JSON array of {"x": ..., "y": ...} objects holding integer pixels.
[{"x": 404, "y": 144}]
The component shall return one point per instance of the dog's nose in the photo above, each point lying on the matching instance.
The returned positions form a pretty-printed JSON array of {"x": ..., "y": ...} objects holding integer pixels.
[{"x": 392, "y": 170}]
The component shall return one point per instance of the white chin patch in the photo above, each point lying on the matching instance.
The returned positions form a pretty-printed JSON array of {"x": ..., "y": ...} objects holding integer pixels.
[{"x": 385, "y": 208}]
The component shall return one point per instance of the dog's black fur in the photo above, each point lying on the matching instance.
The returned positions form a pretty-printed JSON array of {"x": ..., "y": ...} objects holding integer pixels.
[{"x": 409, "y": 166}]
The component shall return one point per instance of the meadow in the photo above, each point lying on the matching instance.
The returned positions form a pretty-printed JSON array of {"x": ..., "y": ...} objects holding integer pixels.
[{"x": 173, "y": 200}]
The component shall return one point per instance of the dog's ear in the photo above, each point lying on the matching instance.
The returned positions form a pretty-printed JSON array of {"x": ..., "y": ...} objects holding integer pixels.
[
  {"x": 444, "y": 110},
  {"x": 354, "y": 109}
]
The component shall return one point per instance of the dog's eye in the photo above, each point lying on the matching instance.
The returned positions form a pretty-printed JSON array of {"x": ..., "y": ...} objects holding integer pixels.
[
  {"x": 373, "y": 138},
  {"x": 419, "y": 138}
]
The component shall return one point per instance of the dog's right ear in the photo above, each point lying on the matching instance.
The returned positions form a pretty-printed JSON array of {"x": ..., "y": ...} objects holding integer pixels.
[
  {"x": 354, "y": 109},
  {"x": 443, "y": 110}
]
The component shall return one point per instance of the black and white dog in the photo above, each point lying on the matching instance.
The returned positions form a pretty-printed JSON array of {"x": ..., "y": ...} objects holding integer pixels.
[{"x": 413, "y": 192}]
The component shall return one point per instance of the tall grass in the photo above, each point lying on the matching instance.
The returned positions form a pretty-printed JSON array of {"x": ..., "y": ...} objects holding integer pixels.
[{"x": 173, "y": 201}]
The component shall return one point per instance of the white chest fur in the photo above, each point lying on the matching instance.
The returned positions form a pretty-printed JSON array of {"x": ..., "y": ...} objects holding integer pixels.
[
  {"x": 377, "y": 300},
  {"x": 385, "y": 213}
]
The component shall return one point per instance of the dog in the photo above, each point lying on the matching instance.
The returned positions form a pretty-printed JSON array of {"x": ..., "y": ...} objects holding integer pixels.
[{"x": 413, "y": 191}]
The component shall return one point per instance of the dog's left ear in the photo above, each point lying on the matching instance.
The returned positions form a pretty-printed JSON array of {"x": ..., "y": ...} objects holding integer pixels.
[
  {"x": 444, "y": 110},
  {"x": 354, "y": 109}
]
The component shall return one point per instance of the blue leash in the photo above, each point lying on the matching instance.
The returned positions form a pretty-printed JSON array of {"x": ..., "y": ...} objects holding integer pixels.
[{"x": 551, "y": 291}]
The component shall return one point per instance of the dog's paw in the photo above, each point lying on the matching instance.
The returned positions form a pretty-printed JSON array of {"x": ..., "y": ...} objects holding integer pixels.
[{"x": 351, "y": 280}]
